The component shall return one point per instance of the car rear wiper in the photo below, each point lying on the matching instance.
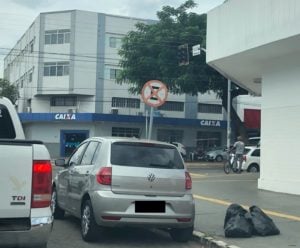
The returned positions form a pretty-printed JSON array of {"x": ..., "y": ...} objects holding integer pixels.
[{"x": 160, "y": 165}]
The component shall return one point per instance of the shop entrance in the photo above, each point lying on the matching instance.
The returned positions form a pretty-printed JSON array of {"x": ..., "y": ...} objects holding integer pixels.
[{"x": 70, "y": 139}]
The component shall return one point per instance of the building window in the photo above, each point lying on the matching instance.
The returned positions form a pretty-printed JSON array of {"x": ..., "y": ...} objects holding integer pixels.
[
  {"x": 31, "y": 47},
  {"x": 30, "y": 77},
  {"x": 114, "y": 73},
  {"x": 115, "y": 42},
  {"x": 207, "y": 140},
  {"x": 56, "y": 69},
  {"x": 119, "y": 102},
  {"x": 125, "y": 132},
  {"x": 63, "y": 101},
  {"x": 170, "y": 135},
  {"x": 172, "y": 106},
  {"x": 209, "y": 108},
  {"x": 57, "y": 36}
]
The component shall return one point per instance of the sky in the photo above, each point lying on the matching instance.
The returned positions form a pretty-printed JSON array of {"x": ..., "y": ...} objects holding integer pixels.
[{"x": 17, "y": 15}]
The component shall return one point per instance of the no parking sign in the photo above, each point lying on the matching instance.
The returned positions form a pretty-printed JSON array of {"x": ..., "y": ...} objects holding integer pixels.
[{"x": 154, "y": 93}]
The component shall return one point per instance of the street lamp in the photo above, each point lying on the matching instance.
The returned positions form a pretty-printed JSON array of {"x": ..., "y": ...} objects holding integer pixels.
[{"x": 197, "y": 51}]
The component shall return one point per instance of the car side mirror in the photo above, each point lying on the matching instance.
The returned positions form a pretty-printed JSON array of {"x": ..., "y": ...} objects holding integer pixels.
[{"x": 60, "y": 162}]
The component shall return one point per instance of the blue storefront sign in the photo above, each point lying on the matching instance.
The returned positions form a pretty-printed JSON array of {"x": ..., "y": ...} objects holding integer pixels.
[{"x": 92, "y": 117}]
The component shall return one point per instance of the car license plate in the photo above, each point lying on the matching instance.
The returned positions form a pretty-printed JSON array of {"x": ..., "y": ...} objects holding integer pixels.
[{"x": 150, "y": 206}]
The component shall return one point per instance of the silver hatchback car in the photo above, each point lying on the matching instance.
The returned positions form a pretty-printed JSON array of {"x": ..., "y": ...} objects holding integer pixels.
[{"x": 110, "y": 181}]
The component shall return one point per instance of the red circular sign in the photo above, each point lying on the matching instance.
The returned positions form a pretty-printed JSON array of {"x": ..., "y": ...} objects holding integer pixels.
[{"x": 154, "y": 93}]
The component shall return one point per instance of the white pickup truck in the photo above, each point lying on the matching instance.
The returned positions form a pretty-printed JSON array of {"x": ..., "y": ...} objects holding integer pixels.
[{"x": 25, "y": 184}]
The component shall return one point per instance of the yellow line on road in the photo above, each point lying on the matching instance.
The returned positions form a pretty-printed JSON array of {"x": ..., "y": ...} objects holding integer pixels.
[
  {"x": 197, "y": 175},
  {"x": 226, "y": 203}
]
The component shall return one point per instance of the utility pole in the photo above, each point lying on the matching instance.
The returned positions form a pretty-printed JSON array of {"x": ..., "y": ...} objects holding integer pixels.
[
  {"x": 228, "y": 112},
  {"x": 197, "y": 51}
]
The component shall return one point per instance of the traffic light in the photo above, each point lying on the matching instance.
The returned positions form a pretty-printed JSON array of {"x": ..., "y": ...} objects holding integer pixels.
[{"x": 183, "y": 54}]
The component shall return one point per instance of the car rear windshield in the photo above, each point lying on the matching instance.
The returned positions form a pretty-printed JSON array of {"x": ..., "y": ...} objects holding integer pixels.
[
  {"x": 7, "y": 130},
  {"x": 138, "y": 154}
]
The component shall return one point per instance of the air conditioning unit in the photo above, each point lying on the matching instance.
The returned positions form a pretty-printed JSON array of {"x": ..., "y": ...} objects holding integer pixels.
[
  {"x": 28, "y": 109},
  {"x": 72, "y": 110},
  {"x": 140, "y": 113},
  {"x": 115, "y": 111}
]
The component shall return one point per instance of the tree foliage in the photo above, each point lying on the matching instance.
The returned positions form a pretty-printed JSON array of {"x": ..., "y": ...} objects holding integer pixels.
[
  {"x": 8, "y": 90},
  {"x": 150, "y": 52}
]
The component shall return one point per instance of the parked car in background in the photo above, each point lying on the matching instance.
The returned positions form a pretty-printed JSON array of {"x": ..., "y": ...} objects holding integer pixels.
[
  {"x": 253, "y": 141},
  {"x": 216, "y": 154},
  {"x": 181, "y": 148},
  {"x": 110, "y": 182},
  {"x": 251, "y": 161}
]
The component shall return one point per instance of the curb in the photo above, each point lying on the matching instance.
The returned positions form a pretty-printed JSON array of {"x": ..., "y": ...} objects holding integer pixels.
[{"x": 209, "y": 242}]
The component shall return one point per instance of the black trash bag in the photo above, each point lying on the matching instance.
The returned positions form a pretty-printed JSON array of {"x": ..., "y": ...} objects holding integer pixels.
[
  {"x": 263, "y": 225},
  {"x": 237, "y": 222}
]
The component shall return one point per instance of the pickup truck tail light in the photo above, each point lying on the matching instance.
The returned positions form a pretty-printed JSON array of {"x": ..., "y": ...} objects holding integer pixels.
[
  {"x": 188, "y": 181},
  {"x": 41, "y": 183}
]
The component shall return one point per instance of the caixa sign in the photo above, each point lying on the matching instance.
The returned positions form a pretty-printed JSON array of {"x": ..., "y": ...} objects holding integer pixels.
[
  {"x": 210, "y": 123},
  {"x": 65, "y": 117}
]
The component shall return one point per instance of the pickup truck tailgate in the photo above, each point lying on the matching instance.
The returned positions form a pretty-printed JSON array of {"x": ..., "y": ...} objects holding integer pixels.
[{"x": 15, "y": 180}]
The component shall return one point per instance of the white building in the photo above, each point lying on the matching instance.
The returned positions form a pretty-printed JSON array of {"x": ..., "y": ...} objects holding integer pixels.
[
  {"x": 256, "y": 44},
  {"x": 65, "y": 67}
]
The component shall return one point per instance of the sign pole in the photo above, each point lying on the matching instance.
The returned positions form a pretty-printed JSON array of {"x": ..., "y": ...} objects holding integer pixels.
[
  {"x": 146, "y": 124},
  {"x": 154, "y": 94},
  {"x": 151, "y": 124}
]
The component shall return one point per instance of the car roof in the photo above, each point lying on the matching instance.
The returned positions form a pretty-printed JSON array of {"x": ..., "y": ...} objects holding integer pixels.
[
  {"x": 127, "y": 139},
  {"x": 251, "y": 148}
]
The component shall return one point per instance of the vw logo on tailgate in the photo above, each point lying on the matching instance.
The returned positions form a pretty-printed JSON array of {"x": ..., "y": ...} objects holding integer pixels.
[{"x": 151, "y": 177}]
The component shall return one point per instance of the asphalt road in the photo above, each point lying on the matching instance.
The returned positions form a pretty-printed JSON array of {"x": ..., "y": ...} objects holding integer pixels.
[
  {"x": 66, "y": 234},
  {"x": 214, "y": 192}
]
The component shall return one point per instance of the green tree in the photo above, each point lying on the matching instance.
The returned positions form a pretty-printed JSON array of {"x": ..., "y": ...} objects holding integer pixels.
[
  {"x": 150, "y": 52},
  {"x": 8, "y": 90}
]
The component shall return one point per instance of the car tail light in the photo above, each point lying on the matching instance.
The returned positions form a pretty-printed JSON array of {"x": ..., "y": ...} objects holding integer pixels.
[
  {"x": 41, "y": 183},
  {"x": 244, "y": 158},
  {"x": 104, "y": 176},
  {"x": 188, "y": 181},
  {"x": 113, "y": 218},
  {"x": 184, "y": 219}
]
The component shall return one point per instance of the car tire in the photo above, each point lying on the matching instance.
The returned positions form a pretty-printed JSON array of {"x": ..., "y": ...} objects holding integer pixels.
[
  {"x": 89, "y": 227},
  {"x": 57, "y": 212},
  {"x": 182, "y": 234},
  {"x": 219, "y": 158},
  {"x": 253, "y": 168}
]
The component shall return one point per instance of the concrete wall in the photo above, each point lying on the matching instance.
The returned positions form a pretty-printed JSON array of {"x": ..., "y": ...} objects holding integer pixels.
[
  {"x": 239, "y": 25},
  {"x": 280, "y": 131},
  {"x": 85, "y": 42},
  {"x": 259, "y": 39}
]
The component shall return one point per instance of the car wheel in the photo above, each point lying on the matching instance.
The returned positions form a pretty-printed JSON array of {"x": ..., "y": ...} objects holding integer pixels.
[
  {"x": 181, "y": 234},
  {"x": 219, "y": 158},
  {"x": 89, "y": 227},
  {"x": 57, "y": 212},
  {"x": 253, "y": 168}
]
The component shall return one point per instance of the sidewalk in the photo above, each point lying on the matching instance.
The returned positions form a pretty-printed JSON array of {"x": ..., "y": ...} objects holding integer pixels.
[{"x": 284, "y": 209}]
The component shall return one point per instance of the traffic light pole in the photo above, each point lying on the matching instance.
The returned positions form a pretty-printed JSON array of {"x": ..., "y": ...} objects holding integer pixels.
[
  {"x": 228, "y": 113},
  {"x": 197, "y": 51}
]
